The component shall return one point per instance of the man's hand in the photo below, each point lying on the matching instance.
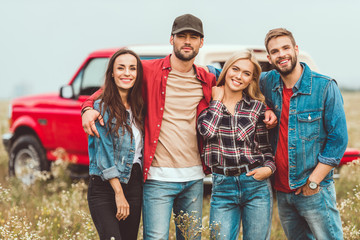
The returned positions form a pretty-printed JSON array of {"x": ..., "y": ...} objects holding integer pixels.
[
  {"x": 306, "y": 190},
  {"x": 319, "y": 173},
  {"x": 261, "y": 173},
  {"x": 217, "y": 93},
  {"x": 88, "y": 121},
  {"x": 270, "y": 119}
]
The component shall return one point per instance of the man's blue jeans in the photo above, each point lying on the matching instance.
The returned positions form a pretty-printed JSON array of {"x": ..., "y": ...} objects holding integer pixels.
[
  {"x": 237, "y": 199},
  {"x": 310, "y": 217},
  {"x": 161, "y": 197}
]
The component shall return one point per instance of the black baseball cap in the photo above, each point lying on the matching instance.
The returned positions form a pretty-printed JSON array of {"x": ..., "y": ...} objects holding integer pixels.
[{"x": 187, "y": 22}]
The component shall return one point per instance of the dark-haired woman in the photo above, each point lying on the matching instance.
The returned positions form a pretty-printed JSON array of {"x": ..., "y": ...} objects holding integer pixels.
[{"x": 115, "y": 187}]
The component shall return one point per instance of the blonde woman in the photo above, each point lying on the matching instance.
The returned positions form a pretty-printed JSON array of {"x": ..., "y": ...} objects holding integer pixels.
[{"x": 238, "y": 152}]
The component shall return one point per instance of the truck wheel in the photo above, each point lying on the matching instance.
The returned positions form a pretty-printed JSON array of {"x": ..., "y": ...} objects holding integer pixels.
[{"x": 27, "y": 159}]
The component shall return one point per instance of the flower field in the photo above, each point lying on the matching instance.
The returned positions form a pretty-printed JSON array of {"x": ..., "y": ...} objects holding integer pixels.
[{"x": 55, "y": 207}]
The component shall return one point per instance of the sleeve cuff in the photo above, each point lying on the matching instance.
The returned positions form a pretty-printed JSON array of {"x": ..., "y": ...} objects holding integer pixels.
[
  {"x": 86, "y": 104},
  {"x": 271, "y": 165},
  {"x": 329, "y": 161},
  {"x": 110, "y": 173},
  {"x": 267, "y": 107}
]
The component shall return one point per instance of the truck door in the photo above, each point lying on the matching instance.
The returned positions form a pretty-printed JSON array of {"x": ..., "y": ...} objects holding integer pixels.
[{"x": 67, "y": 124}]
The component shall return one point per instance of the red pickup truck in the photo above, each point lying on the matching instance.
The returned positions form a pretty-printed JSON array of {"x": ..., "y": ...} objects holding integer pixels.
[{"x": 41, "y": 124}]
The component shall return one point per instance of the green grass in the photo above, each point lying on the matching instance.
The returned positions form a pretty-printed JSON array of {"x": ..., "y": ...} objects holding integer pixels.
[{"x": 57, "y": 208}]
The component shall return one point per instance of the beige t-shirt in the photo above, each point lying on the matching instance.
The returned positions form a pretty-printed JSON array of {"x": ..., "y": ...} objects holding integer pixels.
[{"x": 177, "y": 153}]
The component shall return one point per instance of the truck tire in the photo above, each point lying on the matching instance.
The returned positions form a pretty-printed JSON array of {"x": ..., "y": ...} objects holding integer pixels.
[{"x": 27, "y": 159}]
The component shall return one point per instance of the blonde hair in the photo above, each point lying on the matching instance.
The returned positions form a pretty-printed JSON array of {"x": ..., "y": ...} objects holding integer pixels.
[{"x": 253, "y": 90}]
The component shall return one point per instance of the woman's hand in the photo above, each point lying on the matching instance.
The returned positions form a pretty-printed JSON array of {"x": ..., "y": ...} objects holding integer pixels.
[
  {"x": 123, "y": 207},
  {"x": 261, "y": 173},
  {"x": 217, "y": 93}
]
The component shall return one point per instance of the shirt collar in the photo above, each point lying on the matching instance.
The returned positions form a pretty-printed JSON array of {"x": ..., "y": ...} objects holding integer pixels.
[
  {"x": 167, "y": 65},
  {"x": 303, "y": 85},
  {"x": 246, "y": 98}
]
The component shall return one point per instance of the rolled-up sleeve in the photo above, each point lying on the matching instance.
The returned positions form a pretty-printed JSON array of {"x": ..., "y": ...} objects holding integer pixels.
[
  {"x": 104, "y": 151},
  {"x": 335, "y": 126},
  {"x": 209, "y": 119}
]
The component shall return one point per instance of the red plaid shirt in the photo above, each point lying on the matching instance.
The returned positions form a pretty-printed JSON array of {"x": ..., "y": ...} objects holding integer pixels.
[{"x": 234, "y": 140}]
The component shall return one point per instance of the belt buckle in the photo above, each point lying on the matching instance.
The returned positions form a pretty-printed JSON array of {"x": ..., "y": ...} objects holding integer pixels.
[
  {"x": 232, "y": 172},
  {"x": 246, "y": 166}
]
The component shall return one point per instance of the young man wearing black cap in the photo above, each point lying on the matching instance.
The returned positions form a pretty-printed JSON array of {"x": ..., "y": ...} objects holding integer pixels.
[{"x": 175, "y": 92}]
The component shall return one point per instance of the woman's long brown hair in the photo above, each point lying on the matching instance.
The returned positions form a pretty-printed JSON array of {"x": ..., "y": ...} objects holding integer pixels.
[{"x": 111, "y": 100}]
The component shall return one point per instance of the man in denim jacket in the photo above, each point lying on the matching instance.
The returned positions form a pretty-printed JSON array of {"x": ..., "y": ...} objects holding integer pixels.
[{"x": 309, "y": 141}]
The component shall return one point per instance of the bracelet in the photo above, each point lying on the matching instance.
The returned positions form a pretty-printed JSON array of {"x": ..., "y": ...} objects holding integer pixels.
[{"x": 85, "y": 109}]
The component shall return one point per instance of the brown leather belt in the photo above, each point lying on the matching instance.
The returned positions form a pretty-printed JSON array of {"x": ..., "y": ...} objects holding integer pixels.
[{"x": 235, "y": 171}]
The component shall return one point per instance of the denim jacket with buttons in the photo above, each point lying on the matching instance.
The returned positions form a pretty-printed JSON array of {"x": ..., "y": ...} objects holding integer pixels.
[
  {"x": 111, "y": 155},
  {"x": 317, "y": 129}
]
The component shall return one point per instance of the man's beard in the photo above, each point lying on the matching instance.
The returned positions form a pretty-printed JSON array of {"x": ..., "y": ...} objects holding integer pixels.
[
  {"x": 289, "y": 70},
  {"x": 184, "y": 57}
]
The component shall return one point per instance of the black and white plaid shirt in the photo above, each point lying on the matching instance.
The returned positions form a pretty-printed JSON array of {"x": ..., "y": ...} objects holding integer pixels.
[{"x": 235, "y": 140}]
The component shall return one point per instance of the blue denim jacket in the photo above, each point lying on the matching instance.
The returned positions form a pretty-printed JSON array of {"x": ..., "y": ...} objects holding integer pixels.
[
  {"x": 317, "y": 129},
  {"x": 110, "y": 155},
  {"x": 214, "y": 70}
]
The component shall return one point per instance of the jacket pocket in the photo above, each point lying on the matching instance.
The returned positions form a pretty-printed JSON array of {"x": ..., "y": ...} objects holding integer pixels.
[{"x": 309, "y": 125}]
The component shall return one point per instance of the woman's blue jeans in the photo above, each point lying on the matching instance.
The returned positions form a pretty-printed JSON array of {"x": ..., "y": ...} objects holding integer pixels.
[{"x": 237, "y": 199}]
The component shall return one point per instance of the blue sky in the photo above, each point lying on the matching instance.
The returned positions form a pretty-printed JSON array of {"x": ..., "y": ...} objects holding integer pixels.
[{"x": 43, "y": 42}]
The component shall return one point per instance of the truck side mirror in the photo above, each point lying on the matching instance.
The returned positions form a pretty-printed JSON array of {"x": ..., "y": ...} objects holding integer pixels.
[{"x": 67, "y": 91}]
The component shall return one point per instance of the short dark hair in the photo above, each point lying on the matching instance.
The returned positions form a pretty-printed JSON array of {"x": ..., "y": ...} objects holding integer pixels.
[{"x": 278, "y": 32}]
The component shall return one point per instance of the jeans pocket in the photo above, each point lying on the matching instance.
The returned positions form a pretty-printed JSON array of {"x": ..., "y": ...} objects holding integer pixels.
[
  {"x": 315, "y": 195},
  {"x": 329, "y": 192},
  {"x": 218, "y": 179},
  {"x": 257, "y": 180}
]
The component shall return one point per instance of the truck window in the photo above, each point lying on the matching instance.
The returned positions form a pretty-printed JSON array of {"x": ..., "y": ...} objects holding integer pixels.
[
  {"x": 217, "y": 64},
  {"x": 91, "y": 77},
  {"x": 149, "y": 57},
  {"x": 265, "y": 66}
]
